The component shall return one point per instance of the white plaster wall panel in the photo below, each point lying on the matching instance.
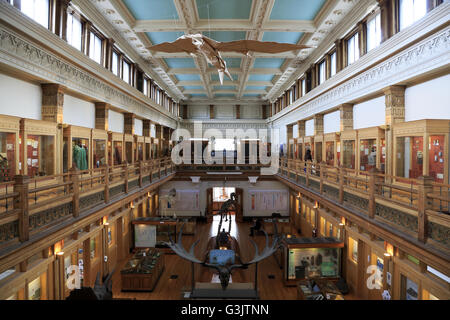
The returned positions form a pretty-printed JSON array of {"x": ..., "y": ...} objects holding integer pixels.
[
  {"x": 295, "y": 131},
  {"x": 224, "y": 112},
  {"x": 115, "y": 121},
  {"x": 309, "y": 128},
  {"x": 428, "y": 100},
  {"x": 251, "y": 112},
  {"x": 20, "y": 98},
  {"x": 198, "y": 112},
  {"x": 283, "y": 135},
  {"x": 369, "y": 113},
  {"x": 331, "y": 122},
  {"x": 245, "y": 185},
  {"x": 138, "y": 127},
  {"x": 152, "y": 130},
  {"x": 78, "y": 112}
]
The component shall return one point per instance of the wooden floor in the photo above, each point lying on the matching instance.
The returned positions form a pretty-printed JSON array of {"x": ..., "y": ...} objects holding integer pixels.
[{"x": 168, "y": 288}]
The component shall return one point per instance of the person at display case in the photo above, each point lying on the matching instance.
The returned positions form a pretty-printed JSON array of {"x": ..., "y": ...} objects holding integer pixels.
[
  {"x": 308, "y": 155},
  {"x": 372, "y": 158}
]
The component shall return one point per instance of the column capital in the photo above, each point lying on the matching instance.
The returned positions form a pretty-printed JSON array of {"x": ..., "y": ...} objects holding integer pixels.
[{"x": 52, "y": 102}]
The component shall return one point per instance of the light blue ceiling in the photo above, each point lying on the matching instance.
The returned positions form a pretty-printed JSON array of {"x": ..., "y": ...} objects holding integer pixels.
[
  {"x": 152, "y": 9},
  {"x": 163, "y": 36},
  {"x": 224, "y": 36},
  {"x": 255, "y": 88},
  {"x": 198, "y": 95},
  {"x": 284, "y": 37},
  {"x": 180, "y": 62},
  {"x": 188, "y": 77},
  {"x": 296, "y": 9},
  {"x": 224, "y": 88},
  {"x": 224, "y": 9},
  {"x": 225, "y": 95},
  {"x": 215, "y": 77},
  {"x": 251, "y": 95},
  {"x": 268, "y": 63},
  {"x": 194, "y": 88},
  {"x": 260, "y": 77}
]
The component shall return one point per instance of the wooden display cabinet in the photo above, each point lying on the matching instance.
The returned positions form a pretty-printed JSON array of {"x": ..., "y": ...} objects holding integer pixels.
[
  {"x": 290, "y": 151},
  {"x": 116, "y": 148},
  {"x": 143, "y": 270},
  {"x": 147, "y": 148},
  {"x": 421, "y": 148},
  {"x": 129, "y": 148},
  {"x": 308, "y": 143},
  {"x": 319, "y": 148},
  {"x": 100, "y": 150},
  {"x": 38, "y": 146},
  {"x": 300, "y": 148},
  {"x": 371, "y": 149},
  {"x": 155, "y": 148},
  {"x": 331, "y": 154},
  {"x": 349, "y": 156},
  {"x": 74, "y": 136},
  {"x": 9, "y": 147},
  {"x": 139, "y": 143}
]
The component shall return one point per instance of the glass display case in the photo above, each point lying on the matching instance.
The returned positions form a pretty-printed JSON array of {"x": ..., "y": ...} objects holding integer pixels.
[
  {"x": 291, "y": 149},
  {"x": 308, "y": 144},
  {"x": 9, "y": 150},
  {"x": 300, "y": 149},
  {"x": 37, "y": 144},
  {"x": 318, "y": 147},
  {"x": 372, "y": 149},
  {"x": 155, "y": 148},
  {"x": 116, "y": 151},
  {"x": 307, "y": 258},
  {"x": 421, "y": 148},
  {"x": 348, "y": 143},
  {"x": 331, "y": 154},
  {"x": 139, "y": 154},
  {"x": 76, "y": 147},
  {"x": 99, "y": 148},
  {"x": 129, "y": 148},
  {"x": 147, "y": 147}
]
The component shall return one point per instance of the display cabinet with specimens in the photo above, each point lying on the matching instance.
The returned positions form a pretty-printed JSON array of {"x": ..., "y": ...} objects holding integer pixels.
[
  {"x": 306, "y": 258},
  {"x": 9, "y": 147},
  {"x": 116, "y": 149},
  {"x": 348, "y": 144},
  {"x": 421, "y": 148},
  {"x": 76, "y": 147},
  {"x": 99, "y": 148},
  {"x": 372, "y": 149}
]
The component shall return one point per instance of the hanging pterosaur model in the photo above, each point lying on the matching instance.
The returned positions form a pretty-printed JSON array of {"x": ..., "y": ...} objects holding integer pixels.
[{"x": 198, "y": 44}]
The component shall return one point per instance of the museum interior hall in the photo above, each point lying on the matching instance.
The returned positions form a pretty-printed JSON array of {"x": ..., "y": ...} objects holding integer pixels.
[{"x": 224, "y": 150}]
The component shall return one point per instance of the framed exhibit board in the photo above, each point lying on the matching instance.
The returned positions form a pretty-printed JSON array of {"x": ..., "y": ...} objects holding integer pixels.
[{"x": 153, "y": 232}]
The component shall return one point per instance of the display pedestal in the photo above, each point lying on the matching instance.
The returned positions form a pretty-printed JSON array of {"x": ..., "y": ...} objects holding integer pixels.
[{"x": 214, "y": 291}]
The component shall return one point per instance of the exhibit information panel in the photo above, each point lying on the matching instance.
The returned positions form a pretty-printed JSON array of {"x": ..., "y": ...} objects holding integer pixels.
[{"x": 305, "y": 263}]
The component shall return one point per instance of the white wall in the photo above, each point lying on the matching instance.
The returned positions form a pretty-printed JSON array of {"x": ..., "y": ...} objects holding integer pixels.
[
  {"x": 331, "y": 122},
  {"x": 295, "y": 131},
  {"x": 198, "y": 112},
  {"x": 428, "y": 100},
  {"x": 369, "y": 113},
  {"x": 115, "y": 121},
  {"x": 251, "y": 112},
  {"x": 20, "y": 98},
  {"x": 309, "y": 128},
  {"x": 224, "y": 112},
  {"x": 78, "y": 112},
  {"x": 138, "y": 127},
  {"x": 245, "y": 185},
  {"x": 152, "y": 130}
]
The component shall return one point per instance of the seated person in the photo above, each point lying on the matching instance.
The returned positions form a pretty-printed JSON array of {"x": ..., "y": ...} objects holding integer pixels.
[{"x": 256, "y": 227}]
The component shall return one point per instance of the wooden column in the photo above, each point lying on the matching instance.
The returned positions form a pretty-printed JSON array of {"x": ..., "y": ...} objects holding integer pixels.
[
  {"x": 101, "y": 115},
  {"x": 106, "y": 190},
  {"x": 238, "y": 111},
  {"x": 264, "y": 111},
  {"x": 395, "y": 113},
  {"x": 76, "y": 191},
  {"x": 211, "y": 111},
  {"x": 301, "y": 124},
  {"x": 318, "y": 124},
  {"x": 372, "y": 191},
  {"x": 185, "y": 111},
  {"x": 21, "y": 203},
  {"x": 346, "y": 116},
  {"x": 146, "y": 128},
  {"x": 52, "y": 102},
  {"x": 128, "y": 119},
  {"x": 109, "y": 52},
  {"x": 341, "y": 184},
  {"x": 425, "y": 186},
  {"x": 339, "y": 55}
]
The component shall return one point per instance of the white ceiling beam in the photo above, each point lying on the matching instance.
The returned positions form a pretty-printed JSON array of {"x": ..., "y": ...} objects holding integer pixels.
[
  {"x": 224, "y": 25},
  {"x": 189, "y": 83},
  {"x": 225, "y": 91},
  {"x": 193, "y": 91},
  {"x": 283, "y": 55}
]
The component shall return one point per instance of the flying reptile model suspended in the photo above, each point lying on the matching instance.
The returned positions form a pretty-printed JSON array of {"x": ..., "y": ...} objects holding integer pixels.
[{"x": 198, "y": 44}]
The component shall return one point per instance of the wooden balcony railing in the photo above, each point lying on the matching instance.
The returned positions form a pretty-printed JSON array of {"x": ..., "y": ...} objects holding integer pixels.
[
  {"x": 417, "y": 206},
  {"x": 28, "y": 205}
]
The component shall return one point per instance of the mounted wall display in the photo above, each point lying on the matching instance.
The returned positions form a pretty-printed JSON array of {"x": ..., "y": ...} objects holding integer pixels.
[
  {"x": 268, "y": 200},
  {"x": 144, "y": 236},
  {"x": 185, "y": 203}
]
